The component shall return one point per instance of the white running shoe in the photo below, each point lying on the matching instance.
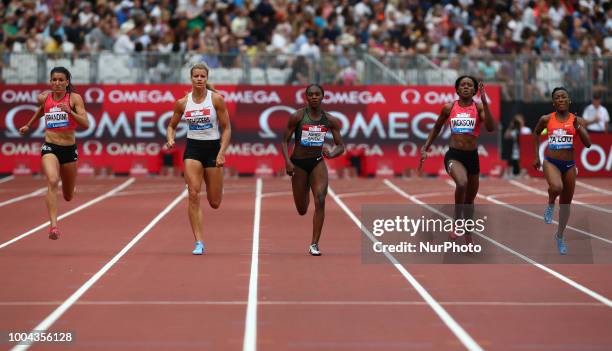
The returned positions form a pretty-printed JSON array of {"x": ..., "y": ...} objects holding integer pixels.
[{"x": 314, "y": 250}]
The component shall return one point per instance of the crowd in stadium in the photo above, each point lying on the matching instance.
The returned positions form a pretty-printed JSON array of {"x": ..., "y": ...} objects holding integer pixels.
[{"x": 311, "y": 29}]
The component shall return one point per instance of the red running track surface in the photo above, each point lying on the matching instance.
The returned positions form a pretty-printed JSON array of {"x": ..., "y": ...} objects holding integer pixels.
[{"x": 158, "y": 296}]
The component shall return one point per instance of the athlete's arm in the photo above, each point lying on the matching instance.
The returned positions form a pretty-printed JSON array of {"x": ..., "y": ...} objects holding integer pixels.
[
  {"x": 580, "y": 126},
  {"x": 39, "y": 113},
  {"x": 224, "y": 123},
  {"x": 338, "y": 149},
  {"x": 294, "y": 119},
  {"x": 77, "y": 111},
  {"x": 435, "y": 131},
  {"x": 179, "y": 109},
  {"x": 537, "y": 131},
  {"x": 483, "y": 110}
]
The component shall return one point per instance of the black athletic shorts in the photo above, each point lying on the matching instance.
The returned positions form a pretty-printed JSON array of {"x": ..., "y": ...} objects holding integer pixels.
[
  {"x": 65, "y": 154},
  {"x": 469, "y": 160},
  {"x": 205, "y": 151},
  {"x": 307, "y": 164}
]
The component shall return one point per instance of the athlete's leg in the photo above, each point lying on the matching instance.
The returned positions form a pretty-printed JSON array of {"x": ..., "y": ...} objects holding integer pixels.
[
  {"x": 213, "y": 177},
  {"x": 68, "y": 174},
  {"x": 565, "y": 200},
  {"x": 459, "y": 174},
  {"x": 554, "y": 180},
  {"x": 51, "y": 169},
  {"x": 194, "y": 173},
  {"x": 300, "y": 187},
  {"x": 318, "y": 184},
  {"x": 555, "y": 187}
]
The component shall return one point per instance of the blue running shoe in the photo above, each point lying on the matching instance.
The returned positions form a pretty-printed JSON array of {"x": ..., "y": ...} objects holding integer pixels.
[
  {"x": 548, "y": 214},
  {"x": 561, "y": 245},
  {"x": 199, "y": 248}
]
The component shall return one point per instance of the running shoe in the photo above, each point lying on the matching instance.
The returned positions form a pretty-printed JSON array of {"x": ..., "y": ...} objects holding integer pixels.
[
  {"x": 199, "y": 248},
  {"x": 54, "y": 233},
  {"x": 548, "y": 214},
  {"x": 314, "y": 250},
  {"x": 561, "y": 245}
]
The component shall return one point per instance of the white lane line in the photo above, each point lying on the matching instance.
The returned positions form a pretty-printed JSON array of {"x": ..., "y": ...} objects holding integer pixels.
[
  {"x": 543, "y": 193},
  {"x": 58, "y": 312},
  {"x": 6, "y": 179},
  {"x": 23, "y": 197},
  {"x": 593, "y": 188},
  {"x": 552, "y": 272},
  {"x": 71, "y": 212},
  {"x": 250, "y": 330},
  {"x": 493, "y": 199},
  {"x": 459, "y": 332}
]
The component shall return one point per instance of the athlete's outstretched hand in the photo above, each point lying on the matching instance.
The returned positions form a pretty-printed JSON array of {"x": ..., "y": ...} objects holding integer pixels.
[
  {"x": 423, "y": 157},
  {"x": 483, "y": 93},
  {"x": 537, "y": 164},
  {"x": 220, "y": 161},
  {"x": 24, "y": 130},
  {"x": 290, "y": 169},
  {"x": 169, "y": 144},
  {"x": 326, "y": 151}
]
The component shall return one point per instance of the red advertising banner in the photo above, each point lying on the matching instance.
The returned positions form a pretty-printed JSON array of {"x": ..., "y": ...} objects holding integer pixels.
[
  {"x": 595, "y": 161},
  {"x": 387, "y": 124}
]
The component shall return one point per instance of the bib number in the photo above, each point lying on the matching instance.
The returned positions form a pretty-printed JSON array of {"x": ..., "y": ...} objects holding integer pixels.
[
  {"x": 198, "y": 120},
  {"x": 56, "y": 120},
  {"x": 463, "y": 125},
  {"x": 313, "y": 135}
]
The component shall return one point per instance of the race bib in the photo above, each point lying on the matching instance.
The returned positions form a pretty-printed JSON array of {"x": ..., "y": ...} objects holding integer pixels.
[
  {"x": 56, "y": 118},
  {"x": 198, "y": 119},
  {"x": 462, "y": 125},
  {"x": 559, "y": 140},
  {"x": 313, "y": 135}
]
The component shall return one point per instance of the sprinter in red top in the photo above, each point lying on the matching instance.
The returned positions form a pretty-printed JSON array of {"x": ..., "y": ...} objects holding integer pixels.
[
  {"x": 559, "y": 164},
  {"x": 63, "y": 110},
  {"x": 461, "y": 160}
]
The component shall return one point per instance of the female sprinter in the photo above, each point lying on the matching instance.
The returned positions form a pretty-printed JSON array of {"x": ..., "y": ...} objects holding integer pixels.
[
  {"x": 461, "y": 160},
  {"x": 63, "y": 110},
  {"x": 559, "y": 165},
  {"x": 305, "y": 166},
  {"x": 204, "y": 110}
]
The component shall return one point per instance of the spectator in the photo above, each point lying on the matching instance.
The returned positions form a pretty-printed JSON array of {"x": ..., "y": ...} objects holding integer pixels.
[
  {"x": 513, "y": 132},
  {"x": 596, "y": 116}
]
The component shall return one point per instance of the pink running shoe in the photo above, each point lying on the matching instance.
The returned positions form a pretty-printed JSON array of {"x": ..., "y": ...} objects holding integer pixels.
[{"x": 54, "y": 233}]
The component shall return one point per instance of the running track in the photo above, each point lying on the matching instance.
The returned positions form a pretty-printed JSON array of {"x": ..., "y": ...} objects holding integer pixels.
[{"x": 122, "y": 277}]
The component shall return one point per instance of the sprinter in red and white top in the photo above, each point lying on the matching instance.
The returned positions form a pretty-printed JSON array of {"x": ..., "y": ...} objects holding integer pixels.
[
  {"x": 204, "y": 111},
  {"x": 559, "y": 164},
  {"x": 63, "y": 110},
  {"x": 461, "y": 160}
]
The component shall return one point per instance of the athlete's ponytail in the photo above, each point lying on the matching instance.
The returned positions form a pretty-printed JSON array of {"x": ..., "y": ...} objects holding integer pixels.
[{"x": 66, "y": 73}]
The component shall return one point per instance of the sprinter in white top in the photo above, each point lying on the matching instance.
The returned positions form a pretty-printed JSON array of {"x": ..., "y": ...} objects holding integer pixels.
[{"x": 204, "y": 111}]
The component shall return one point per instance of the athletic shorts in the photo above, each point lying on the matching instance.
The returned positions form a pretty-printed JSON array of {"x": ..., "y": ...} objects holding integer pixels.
[
  {"x": 65, "y": 154},
  {"x": 562, "y": 166},
  {"x": 307, "y": 164},
  {"x": 205, "y": 151},
  {"x": 469, "y": 160}
]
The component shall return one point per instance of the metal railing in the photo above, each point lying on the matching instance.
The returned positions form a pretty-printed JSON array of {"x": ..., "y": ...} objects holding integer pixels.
[{"x": 522, "y": 78}]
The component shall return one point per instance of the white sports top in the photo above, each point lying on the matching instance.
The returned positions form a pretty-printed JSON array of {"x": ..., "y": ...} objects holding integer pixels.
[{"x": 201, "y": 119}]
